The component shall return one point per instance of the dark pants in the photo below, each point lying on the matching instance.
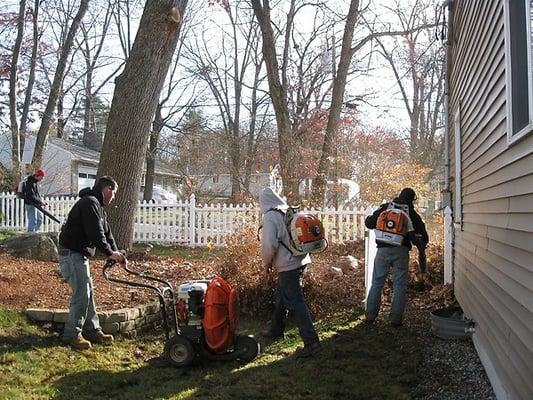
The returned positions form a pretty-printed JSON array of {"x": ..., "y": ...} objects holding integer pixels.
[{"x": 290, "y": 297}]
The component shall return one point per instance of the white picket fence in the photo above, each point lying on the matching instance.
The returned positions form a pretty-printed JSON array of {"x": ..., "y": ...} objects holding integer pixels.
[{"x": 184, "y": 222}]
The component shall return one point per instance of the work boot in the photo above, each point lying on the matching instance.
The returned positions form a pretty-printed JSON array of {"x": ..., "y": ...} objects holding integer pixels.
[
  {"x": 78, "y": 343},
  {"x": 308, "y": 350},
  {"x": 101, "y": 337}
]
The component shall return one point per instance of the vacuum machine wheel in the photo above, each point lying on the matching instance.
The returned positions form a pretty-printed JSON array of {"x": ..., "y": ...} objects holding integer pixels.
[
  {"x": 179, "y": 351},
  {"x": 246, "y": 347}
]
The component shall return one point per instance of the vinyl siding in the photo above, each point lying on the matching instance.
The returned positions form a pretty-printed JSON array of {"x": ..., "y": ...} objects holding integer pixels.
[{"x": 493, "y": 246}]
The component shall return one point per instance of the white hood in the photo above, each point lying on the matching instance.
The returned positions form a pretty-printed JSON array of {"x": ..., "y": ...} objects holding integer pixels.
[{"x": 268, "y": 200}]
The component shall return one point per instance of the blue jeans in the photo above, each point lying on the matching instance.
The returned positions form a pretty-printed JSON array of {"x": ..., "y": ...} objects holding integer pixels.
[
  {"x": 290, "y": 297},
  {"x": 82, "y": 315},
  {"x": 34, "y": 217},
  {"x": 398, "y": 259}
]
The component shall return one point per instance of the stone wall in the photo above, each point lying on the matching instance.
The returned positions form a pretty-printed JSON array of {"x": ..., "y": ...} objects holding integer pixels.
[{"x": 128, "y": 321}]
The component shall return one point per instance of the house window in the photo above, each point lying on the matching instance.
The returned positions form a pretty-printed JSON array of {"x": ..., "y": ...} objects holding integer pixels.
[
  {"x": 82, "y": 175},
  {"x": 519, "y": 71}
]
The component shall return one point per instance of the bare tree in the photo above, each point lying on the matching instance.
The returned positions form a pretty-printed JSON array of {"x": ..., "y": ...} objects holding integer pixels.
[
  {"x": 416, "y": 63},
  {"x": 125, "y": 13},
  {"x": 295, "y": 80},
  {"x": 134, "y": 103},
  {"x": 225, "y": 67},
  {"x": 42, "y": 134},
  {"x": 172, "y": 105},
  {"x": 337, "y": 98},
  {"x": 94, "y": 35},
  {"x": 15, "y": 138},
  {"x": 31, "y": 77},
  {"x": 278, "y": 91}
]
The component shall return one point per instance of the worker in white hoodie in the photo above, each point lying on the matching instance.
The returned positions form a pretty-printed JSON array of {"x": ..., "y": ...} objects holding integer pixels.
[{"x": 275, "y": 255}]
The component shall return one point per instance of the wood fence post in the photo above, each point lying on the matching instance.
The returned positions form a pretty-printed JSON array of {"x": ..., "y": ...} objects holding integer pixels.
[
  {"x": 192, "y": 220},
  {"x": 370, "y": 254}
]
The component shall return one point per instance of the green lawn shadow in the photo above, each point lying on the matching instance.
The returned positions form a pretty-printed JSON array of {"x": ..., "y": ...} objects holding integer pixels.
[{"x": 359, "y": 361}]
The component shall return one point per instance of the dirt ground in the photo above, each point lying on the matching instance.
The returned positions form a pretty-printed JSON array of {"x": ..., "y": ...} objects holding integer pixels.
[{"x": 38, "y": 284}]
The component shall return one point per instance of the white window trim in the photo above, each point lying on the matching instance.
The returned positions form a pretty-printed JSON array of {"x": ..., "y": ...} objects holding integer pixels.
[
  {"x": 529, "y": 127},
  {"x": 458, "y": 195}
]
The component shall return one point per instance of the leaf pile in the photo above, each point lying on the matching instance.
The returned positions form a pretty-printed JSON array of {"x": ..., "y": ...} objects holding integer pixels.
[{"x": 334, "y": 281}]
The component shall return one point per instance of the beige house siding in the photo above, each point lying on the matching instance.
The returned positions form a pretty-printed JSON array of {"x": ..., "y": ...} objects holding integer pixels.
[{"x": 493, "y": 246}]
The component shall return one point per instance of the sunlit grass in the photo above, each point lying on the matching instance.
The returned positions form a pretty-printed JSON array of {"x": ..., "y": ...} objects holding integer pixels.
[
  {"x": 190, "y": 254},
  {"x": 357, "y": 362}
]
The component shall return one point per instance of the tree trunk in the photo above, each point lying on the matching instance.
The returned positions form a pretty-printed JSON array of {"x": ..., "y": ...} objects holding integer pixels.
[
  {"x": 31, "y": 78},
  {"x": 42, "y": 134},
  {"x": 337, "y": 98},
  {"x": 278, "y": 94},
  {"x": 133, "y": 106},
  {"x": 16, "y": 151},
  {"x": 91, "y": 138},
  {"x": 151, "y": 155},
  {"x": 251, "y": 142},
  {"x": 60, "y": 121}
]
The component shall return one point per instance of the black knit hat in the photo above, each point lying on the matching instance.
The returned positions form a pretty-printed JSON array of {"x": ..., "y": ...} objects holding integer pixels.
[{"x": 407, "y": 195}]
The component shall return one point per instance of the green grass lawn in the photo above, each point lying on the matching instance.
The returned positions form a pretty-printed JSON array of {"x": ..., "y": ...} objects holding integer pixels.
[
  {"x": 357, "y": 362},
  {"x": 6, "y": 235},
  {"x": 188, "y": 253}
]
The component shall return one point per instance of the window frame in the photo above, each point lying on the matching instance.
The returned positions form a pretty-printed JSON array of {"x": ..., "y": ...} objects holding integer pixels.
[{"x": 513, "y": 137}]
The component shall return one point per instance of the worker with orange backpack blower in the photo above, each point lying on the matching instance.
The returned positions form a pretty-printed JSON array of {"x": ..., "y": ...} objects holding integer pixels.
[
  {"x": 276, "y": 254},
  {"x": 396, "y": 225}
]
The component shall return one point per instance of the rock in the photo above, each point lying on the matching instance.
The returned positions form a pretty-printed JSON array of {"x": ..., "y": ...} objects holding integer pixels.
[
  {"x": 35, "y": 246},
  {"x": 347, "y": 263},
  {"x": 333, "y": 272}
]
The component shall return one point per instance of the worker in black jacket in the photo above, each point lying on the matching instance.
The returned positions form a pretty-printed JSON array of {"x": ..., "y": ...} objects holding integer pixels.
[
  {"x": 32, "y": 200},
  {"x": 395, "y": 256},
  {"x": 85, "y": 231}
]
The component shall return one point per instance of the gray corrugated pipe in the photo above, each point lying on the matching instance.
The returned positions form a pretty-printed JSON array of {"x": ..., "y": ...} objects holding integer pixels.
[{"x": 446, "y": 195}]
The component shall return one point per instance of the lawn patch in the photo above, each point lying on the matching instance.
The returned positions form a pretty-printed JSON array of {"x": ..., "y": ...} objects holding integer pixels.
[{"x": 357, "y": 361}]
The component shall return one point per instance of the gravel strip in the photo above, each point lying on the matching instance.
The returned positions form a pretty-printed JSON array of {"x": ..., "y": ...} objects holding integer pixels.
[{"x": 452, "y": 369}]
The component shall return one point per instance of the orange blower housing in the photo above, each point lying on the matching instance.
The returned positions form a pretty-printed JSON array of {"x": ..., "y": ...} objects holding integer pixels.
[{"x": 220, "y": 318}]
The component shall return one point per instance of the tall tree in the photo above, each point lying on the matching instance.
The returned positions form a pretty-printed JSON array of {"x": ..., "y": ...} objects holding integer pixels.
[
  {"x": 16, "y": 85},
  {"x": 31, "y": 77},
  {"x": 94, "y": 33},
  {"x": 416, "y": 62},
  {"x": 278, "y": 92},
  {"x": 225, "y": 68},
  {"x": 42, "y": 134},
  {"x": 337, "y": 98},
  {"x": 13, "y": 77},
  {"x": 133, "y": 106},
  {"x": 300, "y": 80},
  {"x": 172, "y": 106}
]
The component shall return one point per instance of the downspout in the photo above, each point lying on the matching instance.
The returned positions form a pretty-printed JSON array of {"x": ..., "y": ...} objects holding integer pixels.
[{"x": 446, "y": 192}]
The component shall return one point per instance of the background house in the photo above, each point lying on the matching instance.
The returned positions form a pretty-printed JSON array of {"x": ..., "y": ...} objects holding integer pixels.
[
  {"x": 490, "y": 124},
  {"x": 214, "y": 183},
  {"x": 70, "y": 167}
]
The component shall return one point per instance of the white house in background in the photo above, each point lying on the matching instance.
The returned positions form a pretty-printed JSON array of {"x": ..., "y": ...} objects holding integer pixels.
[
  {"x": 490, "y": 125},
  {"x": 214, "y": 184},
  {"x": 70, "y": 167}
]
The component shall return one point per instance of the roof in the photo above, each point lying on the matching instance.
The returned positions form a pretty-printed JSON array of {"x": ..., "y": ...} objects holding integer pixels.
[{"x": 81, "y": 153}]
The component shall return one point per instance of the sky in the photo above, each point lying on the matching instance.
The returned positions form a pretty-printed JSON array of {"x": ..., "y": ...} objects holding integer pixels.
[{"x": 384, "y": 108}]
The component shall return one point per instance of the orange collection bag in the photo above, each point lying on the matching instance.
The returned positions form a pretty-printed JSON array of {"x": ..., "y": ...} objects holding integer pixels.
[{"x": 221, "y": 315}]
